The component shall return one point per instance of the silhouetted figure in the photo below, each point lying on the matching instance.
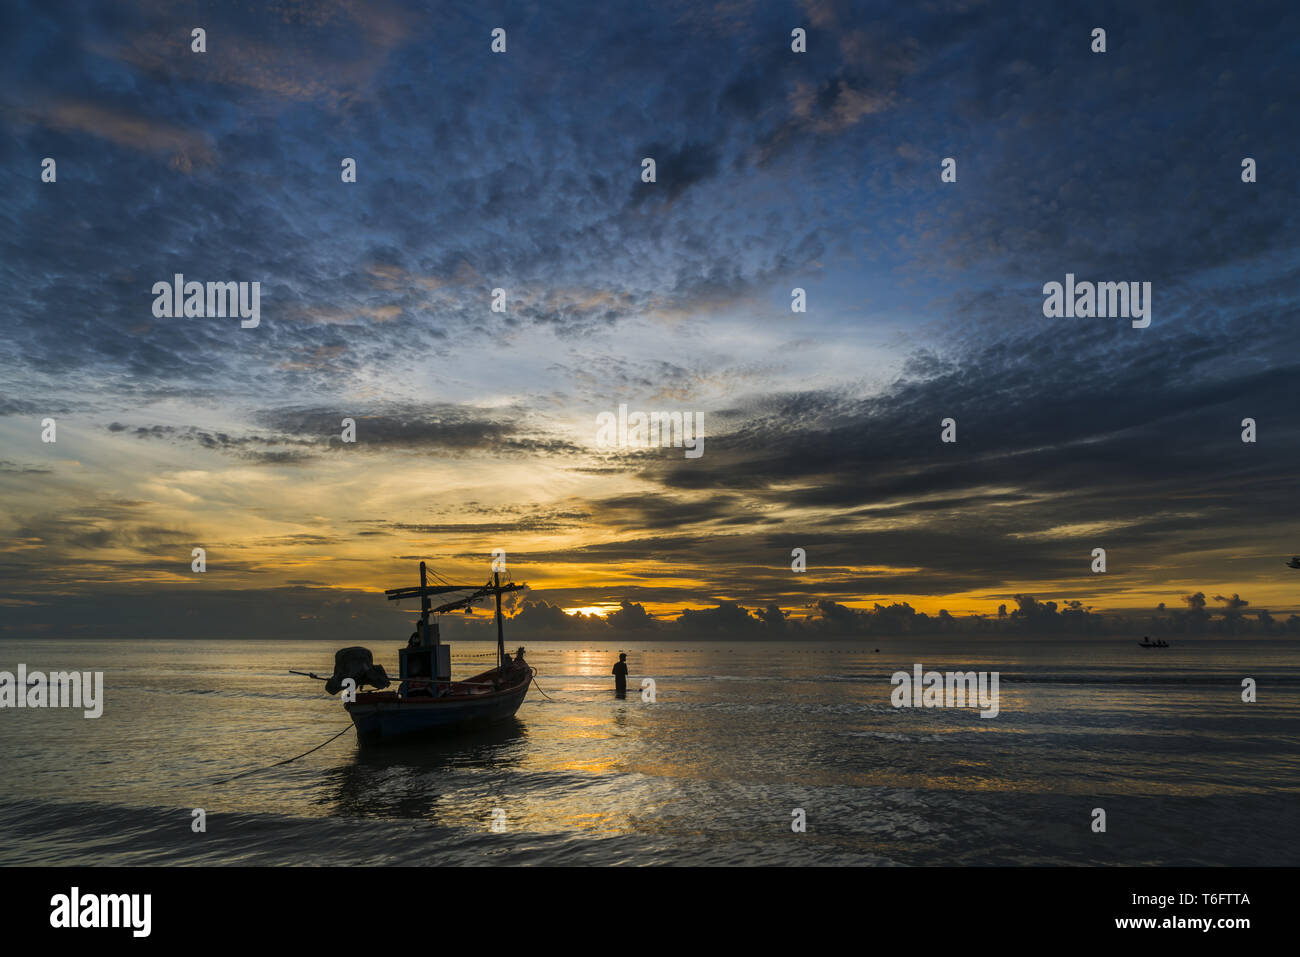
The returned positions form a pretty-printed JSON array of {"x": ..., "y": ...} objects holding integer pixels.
[{"x": 620, "y": 675}]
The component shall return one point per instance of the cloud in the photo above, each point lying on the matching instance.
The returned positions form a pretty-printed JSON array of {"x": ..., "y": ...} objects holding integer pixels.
[
  {"x": 183, "y": 148},
  {"x": 776, "y": 171}
]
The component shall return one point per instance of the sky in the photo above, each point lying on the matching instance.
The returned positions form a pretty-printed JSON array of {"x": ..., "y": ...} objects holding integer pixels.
[{"x": 522, "y": 171}]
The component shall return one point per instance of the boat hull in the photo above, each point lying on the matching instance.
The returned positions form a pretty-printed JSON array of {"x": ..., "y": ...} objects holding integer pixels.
[{"x": 386, "y": 717}]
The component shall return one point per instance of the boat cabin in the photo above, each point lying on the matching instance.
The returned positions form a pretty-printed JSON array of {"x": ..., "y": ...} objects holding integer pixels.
[{"x": 426, "y": 658}]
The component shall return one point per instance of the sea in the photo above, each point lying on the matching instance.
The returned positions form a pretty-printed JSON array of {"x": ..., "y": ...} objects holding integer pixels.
[{"x": 746, "y": 753}]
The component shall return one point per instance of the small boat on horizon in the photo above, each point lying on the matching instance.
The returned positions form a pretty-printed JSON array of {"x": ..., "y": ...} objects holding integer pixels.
[
  {"x": 1146, "y": 642},
  {"x": 428, "y": 700}
]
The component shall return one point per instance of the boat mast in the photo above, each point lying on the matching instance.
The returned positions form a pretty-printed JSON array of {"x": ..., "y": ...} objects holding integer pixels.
[
  {"x": 501, "y": 635},
  {"x": 493, "y": 587},
  {"x": 424, "y": 607}
]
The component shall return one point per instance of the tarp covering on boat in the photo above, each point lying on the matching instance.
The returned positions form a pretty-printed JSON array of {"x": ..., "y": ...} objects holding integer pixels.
[{"x": 358, "y": 664}]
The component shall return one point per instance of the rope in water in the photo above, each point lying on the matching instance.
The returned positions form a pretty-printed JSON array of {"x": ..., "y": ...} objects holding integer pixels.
[
  {"x": 533, "y": 676},
  {"x": 285, "y": 761}
]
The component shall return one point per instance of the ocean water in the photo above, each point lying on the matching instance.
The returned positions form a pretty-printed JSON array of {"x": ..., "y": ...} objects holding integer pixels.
[{"x": 738, "y": 737}]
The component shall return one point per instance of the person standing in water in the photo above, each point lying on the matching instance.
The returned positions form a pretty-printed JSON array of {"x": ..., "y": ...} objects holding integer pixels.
[{"x": 620, "y": 675}]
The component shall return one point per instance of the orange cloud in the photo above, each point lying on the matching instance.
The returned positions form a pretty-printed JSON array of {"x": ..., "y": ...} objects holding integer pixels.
[{"x": 185, "y": 147}]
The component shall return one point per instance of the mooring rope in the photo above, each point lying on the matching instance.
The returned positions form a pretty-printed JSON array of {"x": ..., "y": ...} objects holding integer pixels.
[
  {"x": 533, "y": 676},
  {"x": 277, "y": 764}
]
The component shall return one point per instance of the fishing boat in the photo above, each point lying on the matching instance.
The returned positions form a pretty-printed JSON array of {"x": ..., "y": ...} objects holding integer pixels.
[
  {"x": 427, "y": 699},
  {"x": 1148, "y": 643}
]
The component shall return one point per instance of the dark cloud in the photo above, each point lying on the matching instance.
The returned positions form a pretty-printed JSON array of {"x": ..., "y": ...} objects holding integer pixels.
[{"x": 17, "y": 469}]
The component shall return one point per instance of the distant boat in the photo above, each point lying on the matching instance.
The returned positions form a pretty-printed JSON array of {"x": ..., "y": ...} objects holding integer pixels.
[
  {"x": 1294, "y": 562},
  {"x": 427, "y": 700},
  {"x": 1148, "y": 643}
]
